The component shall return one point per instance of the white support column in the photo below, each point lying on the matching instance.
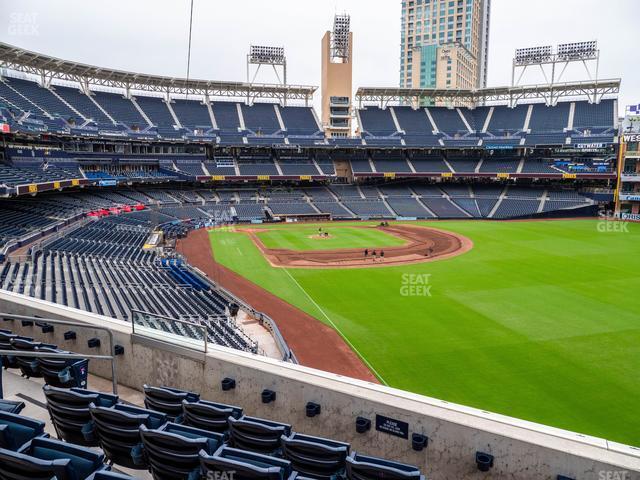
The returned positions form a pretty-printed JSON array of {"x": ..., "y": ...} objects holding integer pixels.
[
  {"x": 212, "y": 116},
  {"x": 276, "y": 108},
  {"x": 47, "y": 114},
  {"x": 144, "y": 115},
  {"x": 527, "y": 119},
  {"x": 487, "y": 120},
  {"x": 572, "y": 116},
  {"x": 240, "y": 117},
  {"x": 317, "y": 119},
  {"x": 278, "y": 167},
  {"x": 395, "y": 120},
  {"x": 497, "y": 205},
  {"x": 90, "y": 95},
  {"x": 543, "y": 201},
  {"x": 432, "y": 121},
  {"x": 71, "y": 107},
  {"x": 464, "y": 120},
  {"x": 173, "y": 114}
]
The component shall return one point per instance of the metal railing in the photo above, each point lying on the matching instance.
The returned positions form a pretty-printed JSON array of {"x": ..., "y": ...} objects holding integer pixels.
[
  {"x": 287, "y": 353},
  {"x": 146, "y": 320},
  {"x": 111, "y": 357}
]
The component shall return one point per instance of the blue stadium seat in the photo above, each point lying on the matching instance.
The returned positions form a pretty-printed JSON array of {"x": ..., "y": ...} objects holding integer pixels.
[
  {"x": 45, "y": 458},
  {"x": 319, "y": 458},
  {"x": 256, "y": 434},
  {"x": 69, "y": 411},
  {"x": 106, "y": 475},
  {"x": 172, "y": 450},
  {"x": 63, "y": 373},
  {"x": 29, "y": 366},
  {"x": 209, "y": 415},
  {"x": 167, "y": 400},
  {"x": 118, "y": 432},
  {"x": 9, "y": 361},
  {"x": 245, "y": 465},
  {"x": 16, "y": 430},
  {"x": 361, "y": 467},
  {"x": 11, "y": 406}
]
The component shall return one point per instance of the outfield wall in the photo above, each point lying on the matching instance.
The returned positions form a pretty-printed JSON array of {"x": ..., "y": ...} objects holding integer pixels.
[{"x": 522, "y": 450}]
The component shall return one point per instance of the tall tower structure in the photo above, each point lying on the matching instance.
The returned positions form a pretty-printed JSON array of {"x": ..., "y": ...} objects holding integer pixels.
[
  {"x": 444, "y": 43},
  {"x": 337, "y": 78}
]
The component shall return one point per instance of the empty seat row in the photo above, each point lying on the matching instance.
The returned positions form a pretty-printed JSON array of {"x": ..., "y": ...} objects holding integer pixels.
[{"x": 179, "y": 437}]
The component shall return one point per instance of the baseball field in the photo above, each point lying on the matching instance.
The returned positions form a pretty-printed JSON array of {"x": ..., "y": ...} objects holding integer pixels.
[{"x": 539, "y": 320}]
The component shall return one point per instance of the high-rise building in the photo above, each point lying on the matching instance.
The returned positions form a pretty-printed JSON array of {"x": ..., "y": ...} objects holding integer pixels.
[{"x": 444, "y": 43}]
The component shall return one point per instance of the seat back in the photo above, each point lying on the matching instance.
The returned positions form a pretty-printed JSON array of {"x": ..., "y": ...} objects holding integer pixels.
[
  {"x": 118, "y": 432},
  {"x": 9, "y": 361},
  {"x": 69, "y": 412},
  {"x": 209, "y": 415},
  {"x": 11, "y": 406},
  {"x": 172, "y": 450},
  {"x": 245, "y": 465},
  {"x": 167, "y": 400},
  {"x": 64, "y": 373},
  {"x": 105, "y": 475},
  {"x": 16, "y": 466},
  {"x": 256, "y": 434},
  {"x": 361, "y": 467},
  {"x": 16, "y": 430},
  {"x": 78, "y": 462},
  {"x": 318, "y": 457},
  {"x": 27, "y": 365}
]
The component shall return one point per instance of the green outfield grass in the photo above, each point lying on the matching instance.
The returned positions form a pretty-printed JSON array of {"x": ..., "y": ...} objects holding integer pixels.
[
  {"x": 302, "y": 238},
  {"x": 540, "y": 320}
]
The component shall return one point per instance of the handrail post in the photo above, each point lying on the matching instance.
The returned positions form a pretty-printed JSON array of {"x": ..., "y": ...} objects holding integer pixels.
[{"x": 112, "y": 356}]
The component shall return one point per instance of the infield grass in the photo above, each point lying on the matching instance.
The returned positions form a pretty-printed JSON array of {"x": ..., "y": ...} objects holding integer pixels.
[
  {"x": 540, "y": 320},
  {"x": 304, "y": 238}
]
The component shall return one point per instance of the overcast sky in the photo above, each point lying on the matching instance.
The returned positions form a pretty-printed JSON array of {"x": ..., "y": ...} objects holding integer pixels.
[{"x": 150, "y": 36}]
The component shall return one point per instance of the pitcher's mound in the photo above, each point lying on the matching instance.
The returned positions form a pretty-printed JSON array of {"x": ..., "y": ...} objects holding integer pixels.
[{"x": 422, "y": 244}]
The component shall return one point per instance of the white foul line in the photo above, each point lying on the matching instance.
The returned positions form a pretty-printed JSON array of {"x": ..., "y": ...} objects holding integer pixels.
[{"x": 335, "y": 327}]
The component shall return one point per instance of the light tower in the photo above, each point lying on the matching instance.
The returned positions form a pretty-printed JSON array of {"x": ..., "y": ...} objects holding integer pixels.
[
  {"x": 553, "y": 63},
  {"x": 261, "y": 55},
  {"x": 337, "y": 78}
]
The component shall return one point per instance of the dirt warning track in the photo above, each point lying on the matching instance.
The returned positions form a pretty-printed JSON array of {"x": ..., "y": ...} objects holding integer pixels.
[
  {"x": 421, "y": 244},
  {"x": 315, "y": 344}
]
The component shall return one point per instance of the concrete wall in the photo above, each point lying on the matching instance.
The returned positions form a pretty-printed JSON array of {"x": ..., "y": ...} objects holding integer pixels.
[{"x": 522, "y": 450}]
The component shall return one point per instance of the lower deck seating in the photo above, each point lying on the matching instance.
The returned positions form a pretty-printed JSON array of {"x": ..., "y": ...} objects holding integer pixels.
[
  {"x": 335, "y": 209},
  {"x": 408, "y": 207},
  {"x": 199, "y": 438},
  {"x": 368, "y": 208},
  {"x": 299, "y": 208},
  {"x": 102, "y": 268},
  {"x": 512, "y": 208},
  {"x": 444, "y": 208}
]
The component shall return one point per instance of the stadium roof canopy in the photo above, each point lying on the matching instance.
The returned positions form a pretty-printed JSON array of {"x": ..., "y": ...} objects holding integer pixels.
[
  {"x": 48, "y": 68},
  {"x": 594, "y": 91}
]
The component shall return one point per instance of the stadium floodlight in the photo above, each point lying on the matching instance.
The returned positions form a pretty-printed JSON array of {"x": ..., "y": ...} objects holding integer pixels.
[
  {"x": 528, "y": 56},
  {"x": 340, "y": 37},
  {"x": 264, "y": 55},
  {"x": 578, "y": 51},
  {"x": 553, "y": 64}
]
